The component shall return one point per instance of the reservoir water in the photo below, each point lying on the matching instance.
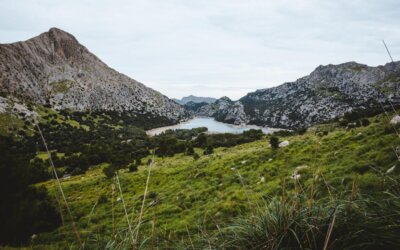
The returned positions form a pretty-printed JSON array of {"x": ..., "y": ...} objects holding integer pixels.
[{"x": 212, "y": 125}]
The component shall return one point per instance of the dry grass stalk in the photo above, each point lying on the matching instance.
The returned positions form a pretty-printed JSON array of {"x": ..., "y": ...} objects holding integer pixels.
[
  {"x": 328, "y": 236},
  {"x": 59, "y": 184},
  {"x": 125, "y": 211},
  {"x": 144, "y": 198}
]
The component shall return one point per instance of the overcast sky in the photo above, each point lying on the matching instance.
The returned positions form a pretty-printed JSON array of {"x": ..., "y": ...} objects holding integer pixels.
[{"x": 215, "y": 47}]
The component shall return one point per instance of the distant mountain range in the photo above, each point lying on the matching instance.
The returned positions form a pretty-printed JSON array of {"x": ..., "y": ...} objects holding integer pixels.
[
  {"x": 55, "y": 69},
  {"x": 194, "y": 99},
  {"x": 327, "y": 93}
]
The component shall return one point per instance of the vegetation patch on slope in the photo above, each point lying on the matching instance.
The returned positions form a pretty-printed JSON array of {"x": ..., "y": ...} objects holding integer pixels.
[{"x": 332, "y": 181}]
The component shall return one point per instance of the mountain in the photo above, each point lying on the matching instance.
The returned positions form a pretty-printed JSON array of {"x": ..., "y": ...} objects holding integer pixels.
[
  {"x": 55, "y": 69},
  {"x": 195, "y": 99},
  {"x": 194, "y": 106},
  {"x": 327, "y": 93}
]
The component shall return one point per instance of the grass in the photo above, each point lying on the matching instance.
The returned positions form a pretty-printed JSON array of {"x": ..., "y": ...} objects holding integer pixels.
[
  {"x": 61, "y": 87},
  {"x": 201, "y": 197},
  {"x": 335, "y": 223}
]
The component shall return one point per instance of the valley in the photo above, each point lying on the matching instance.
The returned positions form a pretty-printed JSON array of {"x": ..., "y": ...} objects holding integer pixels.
[{"x": 93, "y": 159}]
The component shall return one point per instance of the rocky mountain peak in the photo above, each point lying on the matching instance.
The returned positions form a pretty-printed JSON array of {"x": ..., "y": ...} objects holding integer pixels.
[
  {"x": 61, "y": 46},
  {"x": 332, "y": 72},
  {"x": 55, "y": 69},
  {"x": 225, "y": 98},
  {"x": 57, "y": 34}
]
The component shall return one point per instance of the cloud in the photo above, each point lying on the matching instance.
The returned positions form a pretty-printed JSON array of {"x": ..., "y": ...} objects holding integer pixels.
[{"x": 215, "y": 47}]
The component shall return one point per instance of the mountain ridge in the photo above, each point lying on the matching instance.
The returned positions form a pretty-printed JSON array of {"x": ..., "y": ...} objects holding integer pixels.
[
  {"x": 326, "y": 93},
  {"x": 195, "y": 99}
]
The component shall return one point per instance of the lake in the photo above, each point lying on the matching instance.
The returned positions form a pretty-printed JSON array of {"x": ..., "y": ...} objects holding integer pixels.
[{"x": 212, "y": 125}]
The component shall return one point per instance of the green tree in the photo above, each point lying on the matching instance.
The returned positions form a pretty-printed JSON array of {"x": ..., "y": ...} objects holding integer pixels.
[
  {"x": 196, "y": 156},
  {"x": 189, "y": 149},
  {"x": 274, "y": 142},
  {"x": 109, "y": 171},
  {"x": 201, "y": 140},
  {"x": 209, "y": 150},
  {"x": 132, "y": 167},
  {"x": 364, "y": 122}
]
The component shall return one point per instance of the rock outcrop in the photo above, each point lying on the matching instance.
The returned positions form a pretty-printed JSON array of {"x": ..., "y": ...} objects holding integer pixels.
[
  {"x": 225, "y": 110},
  {"x": 55, "y": 69}
]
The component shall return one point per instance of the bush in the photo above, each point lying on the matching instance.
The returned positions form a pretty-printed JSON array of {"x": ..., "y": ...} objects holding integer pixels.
[
  {"x": 274, "y": 142},
  {"x": 364, "y": 122},
  {"x": 109, "y": 171},
  {"x": 189, "y": 149},
  {"x": 343, "y": 122},
  {"x": 283, "y": 133},
  {"x": 196, "y": 156},
  {"x": 102, "y": 199},
  {"x": 201, "y": 140},
  {"x": 77, "y": 171},
  {"x": 133, "y": 167},
  {"x": 209, "y": 150}
]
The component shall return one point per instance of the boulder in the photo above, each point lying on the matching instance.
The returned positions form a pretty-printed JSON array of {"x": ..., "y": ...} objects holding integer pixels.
[
  {"x": 395, "y": 120},
  {"x": 284, "y": 144}
]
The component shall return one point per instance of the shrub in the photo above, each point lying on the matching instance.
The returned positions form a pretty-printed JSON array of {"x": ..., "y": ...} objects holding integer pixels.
[
  {"x": 274, "y": 142},
  {"x": 364, "y": 122},
  {"x": 189, "y": 149},
  {"x": 343, "y": 122},
  {"x": 196, "y": 156},
  {"x": 77, "y": 171},
  {"x": 209, "y": 150},
  {"x": 133, "y": 167},
  {"x": 102, "y": 199},
  {"x": 109, "y": 171},
  {"x": 201, "y": 140},
  {"x": 283, "y": 133}
]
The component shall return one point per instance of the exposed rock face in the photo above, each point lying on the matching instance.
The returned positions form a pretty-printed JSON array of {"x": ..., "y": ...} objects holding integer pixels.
[
  {"x": 327, "y": 93},
  {"x": 225, "y": 110},
  {"x": 194, "y": 106},
  {"x": 54, "y": 68},
  {"x": 195, "y": 99},
  {"x": 9, "y": 106}
]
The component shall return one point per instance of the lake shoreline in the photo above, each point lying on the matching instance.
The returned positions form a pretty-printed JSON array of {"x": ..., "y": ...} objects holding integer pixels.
[{"x": 214, "y": 127}]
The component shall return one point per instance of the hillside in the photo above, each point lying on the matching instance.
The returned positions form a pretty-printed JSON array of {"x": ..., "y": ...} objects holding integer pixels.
[
  {"x": 55, "y": 70},
  {"x": 327, "y": 93},
  {"x": 193, "y": 202}
]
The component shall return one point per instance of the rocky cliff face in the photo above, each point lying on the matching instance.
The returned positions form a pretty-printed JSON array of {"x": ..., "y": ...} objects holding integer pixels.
[
  {"x": 54, "y": 68},
  {"x": 327, "y": 93},
  {"x": 225, "y": 110}
]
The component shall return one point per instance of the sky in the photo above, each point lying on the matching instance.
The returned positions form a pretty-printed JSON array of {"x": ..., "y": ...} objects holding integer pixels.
[{"x": 215, "y": 47}]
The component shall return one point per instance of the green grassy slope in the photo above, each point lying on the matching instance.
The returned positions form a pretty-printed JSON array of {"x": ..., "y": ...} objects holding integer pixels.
[{"x": 187, "y": 198}]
